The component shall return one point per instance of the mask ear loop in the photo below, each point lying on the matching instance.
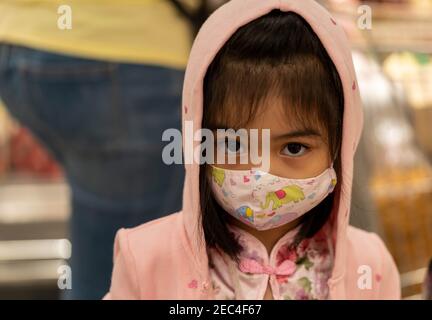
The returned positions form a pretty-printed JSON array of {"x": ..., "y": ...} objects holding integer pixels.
[{"x": 333, "y": 171}]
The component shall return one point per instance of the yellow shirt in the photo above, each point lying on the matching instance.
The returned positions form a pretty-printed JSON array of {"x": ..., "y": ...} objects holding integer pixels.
[{"x": 136, "y": 31}]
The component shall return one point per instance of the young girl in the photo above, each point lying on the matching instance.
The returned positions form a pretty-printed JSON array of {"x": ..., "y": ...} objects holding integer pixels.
[{"x": 282, "y": 65}]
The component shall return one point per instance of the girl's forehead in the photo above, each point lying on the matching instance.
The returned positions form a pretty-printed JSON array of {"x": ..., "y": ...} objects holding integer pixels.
[{"x": 272, "y": 114}]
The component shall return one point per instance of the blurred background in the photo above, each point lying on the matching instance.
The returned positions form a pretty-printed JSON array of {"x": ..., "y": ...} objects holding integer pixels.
[{"x": 392, "y": 192}]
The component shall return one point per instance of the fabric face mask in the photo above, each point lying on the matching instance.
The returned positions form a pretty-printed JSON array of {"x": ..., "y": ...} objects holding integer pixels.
[{"x": 265, "y": 201}]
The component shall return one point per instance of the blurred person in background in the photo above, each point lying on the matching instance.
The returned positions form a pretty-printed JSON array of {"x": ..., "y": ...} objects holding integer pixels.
[{"x": 97, "y": 82}]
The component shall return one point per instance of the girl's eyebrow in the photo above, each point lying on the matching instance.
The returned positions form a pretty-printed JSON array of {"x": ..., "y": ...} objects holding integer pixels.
[
  {"x": 308, "y": 132},
  {"x": 299, "y": 133}
]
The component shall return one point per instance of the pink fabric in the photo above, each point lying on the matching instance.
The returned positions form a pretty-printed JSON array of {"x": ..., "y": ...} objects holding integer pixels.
[
  {"x": 287, "y": 268},
  {"x": 167, "y": 258},
  {"x": 300, "y": 273}
]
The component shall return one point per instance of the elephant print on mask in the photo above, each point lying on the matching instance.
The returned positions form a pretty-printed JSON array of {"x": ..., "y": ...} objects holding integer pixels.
[{"x": 292, "y": 193}]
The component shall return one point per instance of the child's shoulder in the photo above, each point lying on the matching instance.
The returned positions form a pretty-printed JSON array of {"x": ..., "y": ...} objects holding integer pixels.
[
  {"x": 365, "y": 243},
  {"x": 149, "y": 231},
  {"x": 148, "y": 238},
  {"x": 141, "y": 255},
  {"x": 368, "y": 254}
]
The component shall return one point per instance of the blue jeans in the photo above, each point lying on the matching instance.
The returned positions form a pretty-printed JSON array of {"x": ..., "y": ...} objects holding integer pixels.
[{"x": 103, "y": 122}]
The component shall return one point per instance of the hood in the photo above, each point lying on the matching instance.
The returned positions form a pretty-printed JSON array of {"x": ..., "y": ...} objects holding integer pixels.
[{"x": 214, "y": 33}]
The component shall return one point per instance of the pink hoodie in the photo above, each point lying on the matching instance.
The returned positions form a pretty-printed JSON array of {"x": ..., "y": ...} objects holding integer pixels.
[{"x": 167, "y": 259}]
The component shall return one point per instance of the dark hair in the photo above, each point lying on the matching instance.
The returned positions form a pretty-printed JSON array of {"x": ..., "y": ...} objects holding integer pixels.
[{"x": 279, "y": 55}]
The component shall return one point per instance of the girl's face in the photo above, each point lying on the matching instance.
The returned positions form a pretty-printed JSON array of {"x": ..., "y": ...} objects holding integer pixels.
[{"x": 294, "y": 153}]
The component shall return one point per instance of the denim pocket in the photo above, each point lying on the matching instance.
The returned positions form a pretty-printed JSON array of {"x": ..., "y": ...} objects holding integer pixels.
[{"x": 73, "y": 97}]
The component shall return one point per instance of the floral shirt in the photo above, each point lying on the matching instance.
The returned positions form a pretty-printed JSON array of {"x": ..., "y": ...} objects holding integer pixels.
[{"x": 299, "y": 273}]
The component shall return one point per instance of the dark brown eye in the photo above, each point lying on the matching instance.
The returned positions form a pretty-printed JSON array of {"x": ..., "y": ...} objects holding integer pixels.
[
  {"x": 231, "y": 146},
  {"x": 294, "y": 149}
]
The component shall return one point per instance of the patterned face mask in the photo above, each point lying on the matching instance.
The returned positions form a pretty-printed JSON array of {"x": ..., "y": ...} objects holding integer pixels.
[{"x": 265, "y": 201}]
